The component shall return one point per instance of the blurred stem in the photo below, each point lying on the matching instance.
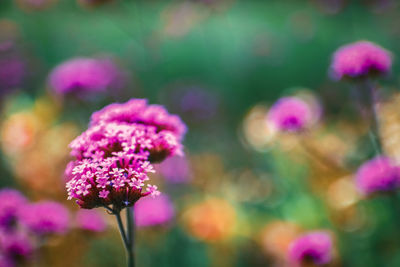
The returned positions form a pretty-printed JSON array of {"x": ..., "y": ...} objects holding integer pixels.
[
  {"x": 366, "y": 100},
  {"x": 317, "y": 155},
  {"x": 131, "y": 237},
  {"x": 374, "y": 128}
]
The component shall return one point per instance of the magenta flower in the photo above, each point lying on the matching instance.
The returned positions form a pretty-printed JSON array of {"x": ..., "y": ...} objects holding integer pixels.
[
  {"x": 10, "y": 202},
  {"x": 360, "y": 59},
  {"x": 113, "y": 156},
  {"x": 290, "y": 114},
  {"x": 84, "y": 75},
  {"x": 90, "y": 220},
  {"x": 45, "y": 217},
  {"x": 175, "y": 169},
  {"x": 15, "y": 247},
  {"x": 137, "y": 111},
  {"x": 314, "y": 247},
  {"x": 379, "y": 174},
  {"x": 154, "y": 211},
  {"x": 112, "y": 165}
]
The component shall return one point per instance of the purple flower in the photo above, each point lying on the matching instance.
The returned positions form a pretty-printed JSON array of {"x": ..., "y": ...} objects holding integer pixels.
[
  {"x": 137, "y": 111},
  {"x": 360, "y": 59},
  {"x": 10, "y": 202},
  {"x": 175, "y": 169},
  {"x": 45, "y": 217},
  {"x": 112, "y": 165},
  {"x": 15, "y": 247},
  {"x": 154, "y": 211},
  {"x": 379, "y": 174},
  {"x": 84, "y": 75},
  {"x": 290, "y": 114},
  {"x": 90, "y": 220},
  {"x": 114, "y": 156},
  {"x": 313, "y": 247}
]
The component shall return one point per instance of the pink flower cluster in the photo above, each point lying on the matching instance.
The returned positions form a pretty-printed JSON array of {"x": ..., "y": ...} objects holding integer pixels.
[
  {"x": 84, "y": 75},
  {"x": 139, "y": 112},
  {"x": 23, "y": 224},
  {"x": 114, "y": 155},
  {"x": 360, "y": 59},
  {"x": 90, "y": 220},
  {"x": 290, "y": 114},
  {"x": 379, "y": 174},
  {"x": 45, "y": 217},
  {"x": 153, "y": 211},
  {"x": 313, "y": 248}
]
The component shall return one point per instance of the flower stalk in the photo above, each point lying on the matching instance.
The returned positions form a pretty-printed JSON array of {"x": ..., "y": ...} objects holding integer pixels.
[{"x": 127, "y": 235}]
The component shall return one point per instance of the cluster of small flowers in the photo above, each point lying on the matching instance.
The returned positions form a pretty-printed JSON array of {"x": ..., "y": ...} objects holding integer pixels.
[
  {"x": 22, "y": 223},
  {"x": 360, "y": 59},
  {"x": 311, "y": 249},
  {"x": 114, "y": 155},
  {"x": 82, "y": 76}
]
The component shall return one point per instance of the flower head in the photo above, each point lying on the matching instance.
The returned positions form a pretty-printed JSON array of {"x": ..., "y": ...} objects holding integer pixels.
[
  {"x": 45, "y": 217},
  {"x": 290, "y": 114},
  {"x": 90, "y": 220},
  {"x": 10, "y": 202},
  {"x": 379, "y": 174},
  {"x": 313, "y": 247},
  {"x": 360, "y": 59},
  {"x": 137, "y": 111},
  {"x": 15, "y": 247},
  {"x": 83, "y": 75},
  {"x": 154, "y": 211},
  {"x": 114, "y": 156}
]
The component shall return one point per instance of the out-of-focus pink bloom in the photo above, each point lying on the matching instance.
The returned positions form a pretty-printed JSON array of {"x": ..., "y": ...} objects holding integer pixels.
[
  {"x": 175, "y": 169},
  {"x": 154, "y": 211},
  {"x": 314, "y": 247},
  {"x": 16, "y": 247},
  {"x": 45, "y": 217},
  {"x": 90, "y": 220},
  {"x": 360, "y": 59},
  {"x": 137, "y": 111},
  {"x": 290, "y": 114},
  {"x": 11, "y": 201},
  {"x": 84, "y": 75},
  {"x": 379, "y": 174}
]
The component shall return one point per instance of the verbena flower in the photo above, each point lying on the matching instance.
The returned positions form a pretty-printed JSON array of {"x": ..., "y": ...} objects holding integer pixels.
[
  {"x": 290, "y": 114},
  {"x": 314, "y": 247},
  {"x": 360, "y": 59},
  {"x": 154, "y": 211},
  {"x": 105, "y": 139},
  {"x": 139, "y": 112},
  {"x": 45, "y": 217},
  {"x": 90, "y": 220},
  {"x": 84, "y": 75},
  {"x": 10, "y": 202},
  {"x": 15, "y": 247},
  {"x": 379, "y": 174},
  {"x": 114, "y": 156}
]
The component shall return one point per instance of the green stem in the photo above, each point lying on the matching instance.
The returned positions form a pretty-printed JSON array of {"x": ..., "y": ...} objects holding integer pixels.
[
  {"x": 131, "y": 237},
  {"x": 374, "y": 129},
  {"x": 122, "y": 231}
]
